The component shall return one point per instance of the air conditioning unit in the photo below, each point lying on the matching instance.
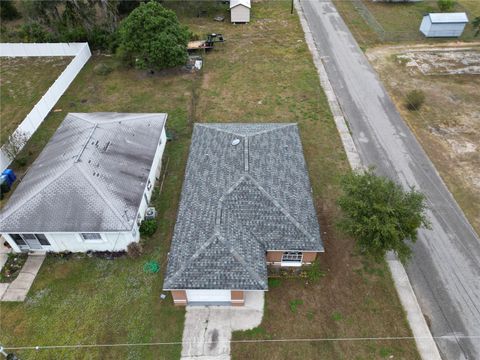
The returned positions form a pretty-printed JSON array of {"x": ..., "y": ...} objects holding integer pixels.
[{"x": 150, "y": 213}]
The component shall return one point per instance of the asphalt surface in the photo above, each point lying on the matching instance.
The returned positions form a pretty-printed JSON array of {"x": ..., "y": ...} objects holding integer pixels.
[{"x": 445, "y": 268}]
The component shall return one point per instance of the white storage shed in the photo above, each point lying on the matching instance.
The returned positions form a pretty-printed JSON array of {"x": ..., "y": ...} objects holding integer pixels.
[
  {"x": 443, "y": 24},
  {"x": 240, "y": 11}
]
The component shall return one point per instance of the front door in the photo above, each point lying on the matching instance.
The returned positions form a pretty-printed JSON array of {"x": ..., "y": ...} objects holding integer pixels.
[{"x": 32, "y": 242}]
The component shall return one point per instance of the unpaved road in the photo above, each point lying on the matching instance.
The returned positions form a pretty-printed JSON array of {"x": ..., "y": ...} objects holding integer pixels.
[{"x": 445, "y": 269}]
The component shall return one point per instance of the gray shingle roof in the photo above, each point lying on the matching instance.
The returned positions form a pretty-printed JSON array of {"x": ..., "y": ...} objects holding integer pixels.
[
  {"x": 237, "y": 202},
  {"x": 90, "y": 176}
]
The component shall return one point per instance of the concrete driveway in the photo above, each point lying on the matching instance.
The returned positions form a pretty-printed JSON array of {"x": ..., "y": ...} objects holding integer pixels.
[
  {"x": 445, "y": 269},
  {"x": 208, "y": 329}
]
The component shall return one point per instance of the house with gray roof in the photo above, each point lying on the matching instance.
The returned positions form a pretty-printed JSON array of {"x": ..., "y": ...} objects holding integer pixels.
[
  {"x": 246, "y": 203},
  {"x": 90, "y": 186}
]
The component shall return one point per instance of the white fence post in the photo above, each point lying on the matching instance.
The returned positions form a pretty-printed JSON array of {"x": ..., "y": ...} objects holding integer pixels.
[{"x": 42, "y": 108}]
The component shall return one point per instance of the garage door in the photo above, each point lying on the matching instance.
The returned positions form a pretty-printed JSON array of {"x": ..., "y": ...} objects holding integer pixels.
[{"x": 208, "y": 296}]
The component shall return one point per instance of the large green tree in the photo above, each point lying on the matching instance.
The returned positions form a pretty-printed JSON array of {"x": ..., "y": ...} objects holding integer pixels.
[
  {"x": 380, "y": 215},
  {"x": 152, "y": 38}
]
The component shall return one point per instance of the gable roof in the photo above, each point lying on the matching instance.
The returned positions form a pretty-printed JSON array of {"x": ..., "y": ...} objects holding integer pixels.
[
  {"x": 246, "y": 191},
  {"x": 245, "y": 3},
  {"x": 439, "y": 18},
  {"x": 90, "y": 177}
]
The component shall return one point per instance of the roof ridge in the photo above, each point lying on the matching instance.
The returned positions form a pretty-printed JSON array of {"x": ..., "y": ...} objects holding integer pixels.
[
  {"x": 241, "y": 260},
  {"x": 11, "y": 210},
  {"x": 260, "y": 132},
  {"x": 102, "y": 195},
  {"x": 281, "y": 208}
]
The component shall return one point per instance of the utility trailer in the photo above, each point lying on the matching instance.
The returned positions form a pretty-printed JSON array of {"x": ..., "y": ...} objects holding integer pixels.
[{"x": 207, "y": 44}]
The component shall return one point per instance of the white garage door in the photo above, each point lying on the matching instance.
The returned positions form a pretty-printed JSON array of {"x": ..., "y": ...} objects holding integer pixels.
[{"x": 209, "y": 296}]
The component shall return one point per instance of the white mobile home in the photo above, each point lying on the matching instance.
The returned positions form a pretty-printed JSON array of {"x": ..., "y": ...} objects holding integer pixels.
[
  {"x": 240, "y": 11},
  {"x": 443, "y": 24},
  {"x": 90, "y": 186}
]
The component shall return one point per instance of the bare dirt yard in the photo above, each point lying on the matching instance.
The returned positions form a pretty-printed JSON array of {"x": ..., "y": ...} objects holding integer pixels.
[
  {"x": 23, "y": 81},
  {"x": 448, "y": 124}
]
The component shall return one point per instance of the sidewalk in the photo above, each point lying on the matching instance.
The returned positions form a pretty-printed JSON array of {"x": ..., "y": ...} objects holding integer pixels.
[{"x": 18, "y": 289}]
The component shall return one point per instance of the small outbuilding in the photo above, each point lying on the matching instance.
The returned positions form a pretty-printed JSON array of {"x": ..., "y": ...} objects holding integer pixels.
[
  {"x": 90, "y": 187},
  {"x": 443, "y": 24},
  {"x": 240, "y": 11}
]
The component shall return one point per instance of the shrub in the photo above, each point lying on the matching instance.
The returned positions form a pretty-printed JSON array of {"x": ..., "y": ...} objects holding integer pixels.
[
  {"x": 446, "y": 5},
  {"x": 152, "y": 38},
  {"x": 274, "y": 282},
  {"x": 34, "y": 32},
  {"x": 380, "y": 214},
  {"x": 415, "y": 99},
  {"x": 148, "y": 228},
  {"x": 134, "y": 250}
]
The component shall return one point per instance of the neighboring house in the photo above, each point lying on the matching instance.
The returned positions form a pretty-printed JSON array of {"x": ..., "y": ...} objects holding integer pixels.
[
  {"x": 443, "y": 24},
  {"x": 90, "y": 186},
  {"x": 240, "y": 11},
  {"x": 246, "y": 203}
]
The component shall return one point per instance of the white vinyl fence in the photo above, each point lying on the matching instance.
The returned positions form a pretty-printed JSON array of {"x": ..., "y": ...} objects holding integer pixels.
[{"x": 35, "y": 117}]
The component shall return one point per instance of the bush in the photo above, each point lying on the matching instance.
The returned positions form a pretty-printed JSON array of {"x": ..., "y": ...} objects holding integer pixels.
[
  {"x": 415, "y": 99},
  {"x": 148, "y": 228},
  {"x": 134, "y": 250},
  {"x": 152, "y": 38},
  {"x": 8, "y": 10},
  {"x": 34, "y": 32},
  {"x": 314, "y": 273},
  {"x": 446, "y": 5}
]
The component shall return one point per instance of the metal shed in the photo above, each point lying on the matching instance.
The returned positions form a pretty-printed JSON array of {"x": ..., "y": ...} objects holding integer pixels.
[
  {"x": 240, "y": 11},
  {"x": 443, "y": 24}
]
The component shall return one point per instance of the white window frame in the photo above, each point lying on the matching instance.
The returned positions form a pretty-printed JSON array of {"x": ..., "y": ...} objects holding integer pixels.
[
  {"x": 292, "y": 259},
  {"x": 92, "y": 241}
]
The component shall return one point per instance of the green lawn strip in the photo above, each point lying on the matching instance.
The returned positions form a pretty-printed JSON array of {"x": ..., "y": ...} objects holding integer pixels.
[{"x": 23, "y": 82}]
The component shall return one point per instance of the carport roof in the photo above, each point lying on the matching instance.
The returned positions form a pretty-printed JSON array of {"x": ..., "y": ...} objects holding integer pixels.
[
  {"x": 246, "y": 191},
  {"x": 90, "y": 177}
]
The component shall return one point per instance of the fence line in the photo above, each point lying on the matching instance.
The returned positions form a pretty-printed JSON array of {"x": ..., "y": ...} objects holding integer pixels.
[{"x": 42, "y": 108}]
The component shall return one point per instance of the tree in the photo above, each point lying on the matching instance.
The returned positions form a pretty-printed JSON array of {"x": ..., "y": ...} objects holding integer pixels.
[
  {"x": 15, "y": 143},
  {"x": 380, "y": 215},
  {"x": 446, "y": 5},
  {"x": 151, "y": 37}
]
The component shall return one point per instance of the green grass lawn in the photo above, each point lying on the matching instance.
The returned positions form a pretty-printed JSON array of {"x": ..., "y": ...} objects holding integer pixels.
[
  {"x": 23, "y": 82},
  {"x": 262, "y": 73},
  {"x": 382, "y": 22}
]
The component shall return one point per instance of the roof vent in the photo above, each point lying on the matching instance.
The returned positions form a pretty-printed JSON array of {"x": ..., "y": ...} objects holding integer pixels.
[{"x": 235, "y": 142}]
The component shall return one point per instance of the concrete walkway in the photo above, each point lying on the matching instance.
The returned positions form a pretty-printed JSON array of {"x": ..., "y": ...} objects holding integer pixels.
[
  {"x": 423, "y": 337},
  {"x": 18, "y": 289},
  {"x": 208, "y": 329}
]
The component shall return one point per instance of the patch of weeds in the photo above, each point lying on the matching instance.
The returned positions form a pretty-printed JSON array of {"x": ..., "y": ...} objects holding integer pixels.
[
  {"x": 385, "y": 352},
  {"x": 37, "y": 297},
  {"x": 255, "y": 332},
  {"x": 337, "y": 316},
  {"x": 310, "y": 315},
  {"x": 294, "y": 304},
  {"x": 274, "y": 282},
  {"x": 314, "y": 273}
]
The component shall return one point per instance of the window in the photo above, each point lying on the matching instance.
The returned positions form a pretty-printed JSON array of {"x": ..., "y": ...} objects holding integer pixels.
[
  {"x": 91, "y": 236},
  {"x": 292, "y": 257},
  {"x": 42, "y": 239},
  {"x": 18, "y": 239}
]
